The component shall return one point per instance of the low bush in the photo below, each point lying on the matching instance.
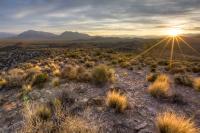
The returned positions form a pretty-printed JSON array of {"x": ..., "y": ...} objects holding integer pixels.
[
  {"x": 171, "y": 123},
  {"x": 103, "y": 74},
  {"x": 69, "y": 72},
  {"x": 15, "y": 77},
  {"x": 40, "y": 79}
]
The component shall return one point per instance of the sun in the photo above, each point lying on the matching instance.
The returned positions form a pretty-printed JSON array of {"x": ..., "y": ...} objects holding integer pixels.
[{"x": 174, "y": 32}]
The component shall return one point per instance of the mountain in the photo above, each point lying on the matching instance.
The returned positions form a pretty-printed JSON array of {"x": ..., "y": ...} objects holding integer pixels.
[
  {"x": 36, "y": 35},
  {"x": 40, "y": 35},
  {"x": 68, "y": 35},
  {"x": 6, "y": 35}
]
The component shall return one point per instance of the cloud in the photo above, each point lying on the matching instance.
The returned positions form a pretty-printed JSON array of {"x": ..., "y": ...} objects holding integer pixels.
[{"x": 98, "y": 15}]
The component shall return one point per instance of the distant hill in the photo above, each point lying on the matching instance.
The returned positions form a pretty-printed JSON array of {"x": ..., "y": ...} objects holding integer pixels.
[
  {"x": 6, "y": 35},
  {"x": 68, "y": 35},
  {"x": 35, "y": 35},
  {"x": 40, "y": 35}
]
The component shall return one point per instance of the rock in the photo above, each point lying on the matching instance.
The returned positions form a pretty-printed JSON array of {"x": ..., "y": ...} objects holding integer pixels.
[{"x": 141, "y": 126}]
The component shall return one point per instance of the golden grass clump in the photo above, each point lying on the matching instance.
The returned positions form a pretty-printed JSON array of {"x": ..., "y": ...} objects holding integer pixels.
[
  {"x": 69, "y": 72},
  {"x": 196, "y": 84},
  {"x": 102, "y": 74},
  {"x": 40, "y": 118},
  {"x": 160, "y": 87},
  {"x": 37, "y": 119},
  {"x": 15, "y": 77},
  {"x": 171, "y": 123},
  {"x": 116, "y": 100}
]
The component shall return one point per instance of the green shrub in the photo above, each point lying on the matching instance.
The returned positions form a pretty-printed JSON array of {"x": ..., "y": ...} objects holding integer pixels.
[
  {"x": 40, "y": 79},
  {"x": 103, "y": 74}
]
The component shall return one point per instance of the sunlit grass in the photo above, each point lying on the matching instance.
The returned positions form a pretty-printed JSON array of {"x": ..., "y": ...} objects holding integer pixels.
[{"x": 172, "y": 123}]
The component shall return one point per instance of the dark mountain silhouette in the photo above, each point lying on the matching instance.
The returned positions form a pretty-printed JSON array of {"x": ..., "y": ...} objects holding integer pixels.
[
  {"x": 68, "y": 35},
  {"x": 36, "y": 35},
  {"x": 40, "y": 35}
]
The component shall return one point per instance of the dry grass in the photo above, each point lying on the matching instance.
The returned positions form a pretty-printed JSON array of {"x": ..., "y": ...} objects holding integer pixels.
[
  {"x": 102, "y": 74},
  {"x": 74, "y": 124},
  {"x": 171, "y": 123},
  {"x": 196, "y": 84},
  {"x": 15, "y": 77},
  {"x": 69, "y": 72},
  {"x": 160, "y": 88},
  {"x": 42, "y": 119},
  {"x": 116, "y": 100}
]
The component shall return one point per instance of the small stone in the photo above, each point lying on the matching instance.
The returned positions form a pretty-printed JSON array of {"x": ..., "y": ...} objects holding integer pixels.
[{"x": 141, "y": 126}]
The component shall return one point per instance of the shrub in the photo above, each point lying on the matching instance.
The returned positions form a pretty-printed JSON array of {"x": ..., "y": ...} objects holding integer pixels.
[
  {"x": 196, "y": 84},
  {"x": 40, "y": 79},
  {"x": 103, "y": 74},
  {"x": 160, "y": 87},
  {"x": 163, "y": 78},
  {"x": 69, "y": 72},
  {"x": 37, "y": 119},
  {"x": 171, "y": 123},
  {"x": 15, "y": 77},
  {"x": 43, "y": 112},
  {"x": 183, "y": 80},
  {"x": 116, "y": 100}
]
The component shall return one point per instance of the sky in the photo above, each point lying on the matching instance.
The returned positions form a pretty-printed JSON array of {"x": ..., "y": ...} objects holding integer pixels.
[{"x": 101, "y": 17}]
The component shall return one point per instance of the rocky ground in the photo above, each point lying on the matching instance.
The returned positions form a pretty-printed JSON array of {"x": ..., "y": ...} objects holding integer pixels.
[{"x": 88, "y": 100}]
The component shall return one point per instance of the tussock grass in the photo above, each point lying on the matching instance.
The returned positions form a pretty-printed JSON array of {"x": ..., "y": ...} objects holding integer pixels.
[
  {"x": 171, "y": 123},
  {"x": 15, "y": 77},
  {"x": 160, "y": 88},
  {"x": 116, "y": 100},
  {"x": 69, "y": 72},
  {"x": 43, "y": 119},
  {"x": 103, "y": 74},
  {"x": 196, "y": 84}
]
